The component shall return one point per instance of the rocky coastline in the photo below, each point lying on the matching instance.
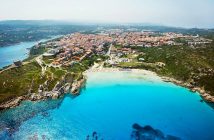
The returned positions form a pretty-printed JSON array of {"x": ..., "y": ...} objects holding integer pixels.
[
  {"x": 74, "y": 87},
  {"x": 204, "y": 94},
  {"x": 62, "y": 87}
]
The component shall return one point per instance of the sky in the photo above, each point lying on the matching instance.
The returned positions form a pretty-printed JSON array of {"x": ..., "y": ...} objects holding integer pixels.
[{"x": 180, "y": 13}]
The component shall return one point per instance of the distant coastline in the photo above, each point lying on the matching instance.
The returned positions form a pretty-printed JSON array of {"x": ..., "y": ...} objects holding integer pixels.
[{"x": 19, "y": 51}]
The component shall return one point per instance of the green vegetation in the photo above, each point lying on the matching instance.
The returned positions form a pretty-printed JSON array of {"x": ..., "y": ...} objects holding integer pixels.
[
  {"x": 17, "y": 81},
  {"x": 118, "y": 46},
  {"x": 56, "y": 75},
  {"x": 47, "y": 60},
  {"x": 12, "y": 32},
  {"x": 181, "y": 40},
  {"x": 137, "y": 65},
  {"x": 27, "y": 78},
  {"x": 193, "y": 65},
  {"x": 85, "y": 64},
  {"x": 34, "y": 51}
]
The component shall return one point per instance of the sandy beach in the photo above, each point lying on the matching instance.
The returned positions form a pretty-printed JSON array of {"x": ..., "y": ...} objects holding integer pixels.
[
  {"x": 152, "y": 76},
  {"x": 100, "y": 68},
  {"x": 144, "y": 72},
  {"x": 147, "y": 75}
]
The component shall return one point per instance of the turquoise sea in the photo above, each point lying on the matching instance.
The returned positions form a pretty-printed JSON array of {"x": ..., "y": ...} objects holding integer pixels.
[{"x": 114, "y": 106}]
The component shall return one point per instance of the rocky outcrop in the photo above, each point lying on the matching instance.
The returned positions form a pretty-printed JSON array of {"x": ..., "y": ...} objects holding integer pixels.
[
  {"x": 208, "y": 97},
  {"x": 66, "y": 85},
  {"x": 205, "y": 95},
  {"x": 147, "y": 132},
  {"x": 12, "y": 103},
  {"x": 76, "y": 86}
]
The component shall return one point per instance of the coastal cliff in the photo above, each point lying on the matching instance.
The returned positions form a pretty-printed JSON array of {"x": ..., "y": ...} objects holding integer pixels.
[{"x": 66, "y": 85}]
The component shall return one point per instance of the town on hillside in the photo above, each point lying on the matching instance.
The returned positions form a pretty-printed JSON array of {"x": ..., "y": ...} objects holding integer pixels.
[{"x": 75, "y": 47}]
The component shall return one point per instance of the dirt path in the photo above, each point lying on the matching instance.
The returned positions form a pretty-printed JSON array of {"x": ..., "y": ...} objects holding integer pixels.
[{"x": 41, "y": 63}]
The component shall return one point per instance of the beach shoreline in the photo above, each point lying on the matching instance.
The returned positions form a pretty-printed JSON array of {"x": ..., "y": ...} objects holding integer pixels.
[
  {"x": 76, "y": 87},
  {"x": 137, "y": 71},
  {"x": 206, "y": 96}
]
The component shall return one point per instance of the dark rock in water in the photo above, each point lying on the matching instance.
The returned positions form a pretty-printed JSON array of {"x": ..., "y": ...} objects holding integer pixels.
[
  {"x": 201, "y": 101},
  {"x": 136, "y": 126},
  {"x": 94, "y": 136},
  {"x": 148, "y": 128},
  {"x": 149, "y": 133},
  {"x": 87, "y": 138}
]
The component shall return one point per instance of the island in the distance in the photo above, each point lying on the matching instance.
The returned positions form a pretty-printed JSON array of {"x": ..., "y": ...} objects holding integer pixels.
[{"x": 57, "y": 67}]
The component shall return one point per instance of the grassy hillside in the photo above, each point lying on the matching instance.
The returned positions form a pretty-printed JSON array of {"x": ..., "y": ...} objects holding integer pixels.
[
  {"x": 17, "y": 81},
  {"x": 194, "y": 65}
]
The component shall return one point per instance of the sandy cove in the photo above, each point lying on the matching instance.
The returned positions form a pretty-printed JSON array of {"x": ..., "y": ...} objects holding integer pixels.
[{"x": 206, "y": 96}]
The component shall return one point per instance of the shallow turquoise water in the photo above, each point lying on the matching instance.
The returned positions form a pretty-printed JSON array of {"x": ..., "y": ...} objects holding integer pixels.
[{"x": 110, "y": 104}]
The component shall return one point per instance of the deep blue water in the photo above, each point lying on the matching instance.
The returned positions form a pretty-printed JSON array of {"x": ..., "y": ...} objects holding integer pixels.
[
  {"x": 109, "y": 105},
  {"x": 12, "y": 53},
  {"x": 20, "y": 51}
]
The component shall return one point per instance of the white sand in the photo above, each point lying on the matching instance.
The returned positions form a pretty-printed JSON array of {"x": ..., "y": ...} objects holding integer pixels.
[{"x": 137, "y": 72}]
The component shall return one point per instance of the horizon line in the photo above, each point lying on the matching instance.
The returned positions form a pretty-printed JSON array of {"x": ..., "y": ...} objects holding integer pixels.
[{"x": 108, "y": 23}]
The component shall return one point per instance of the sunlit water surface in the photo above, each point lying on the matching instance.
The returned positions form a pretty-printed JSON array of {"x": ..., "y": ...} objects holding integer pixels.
[{"x": 108, "y": 106}]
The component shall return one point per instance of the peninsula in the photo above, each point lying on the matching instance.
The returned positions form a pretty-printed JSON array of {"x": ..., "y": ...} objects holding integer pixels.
[{"x": 57, "y": 67}]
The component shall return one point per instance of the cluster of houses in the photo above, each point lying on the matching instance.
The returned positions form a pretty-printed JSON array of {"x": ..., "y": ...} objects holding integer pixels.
[
  {"x": 141, "y": 39},
  {"x": 194, "y": 41},
  {"x": 75, "y": 47},
  {"x": 153, "y": 39},
  {"x": 148, "y": 38}
]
